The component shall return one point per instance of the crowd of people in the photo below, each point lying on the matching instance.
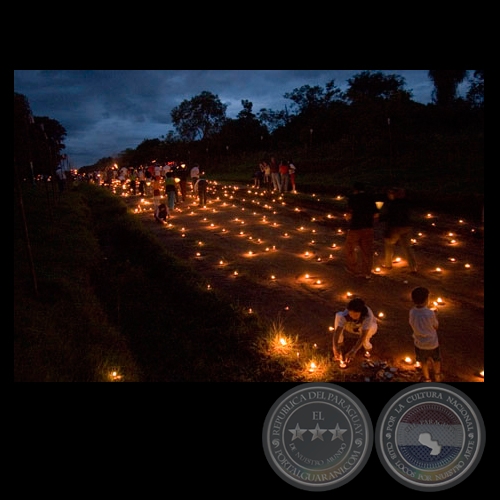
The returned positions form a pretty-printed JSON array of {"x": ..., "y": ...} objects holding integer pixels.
[
  {"x": 167, "y": 184},
  {"x": 275, "y": 176},
  {"x": 171, "y": 181}
]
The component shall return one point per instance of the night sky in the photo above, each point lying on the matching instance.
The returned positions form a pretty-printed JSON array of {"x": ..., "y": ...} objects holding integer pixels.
[{"x": 105, "y": 112}]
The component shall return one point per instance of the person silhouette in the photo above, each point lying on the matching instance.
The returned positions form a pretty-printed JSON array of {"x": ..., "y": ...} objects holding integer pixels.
[{"x": 362, "y": 212}]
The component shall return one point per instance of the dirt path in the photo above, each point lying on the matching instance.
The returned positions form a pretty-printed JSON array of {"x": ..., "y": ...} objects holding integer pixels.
[{"x": 288, "y": 242}]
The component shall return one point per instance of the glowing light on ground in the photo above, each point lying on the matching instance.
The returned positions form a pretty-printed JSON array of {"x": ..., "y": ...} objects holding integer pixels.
[{"x": 115, "y": 376}]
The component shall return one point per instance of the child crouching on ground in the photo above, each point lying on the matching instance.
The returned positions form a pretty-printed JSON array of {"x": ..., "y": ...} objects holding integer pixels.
[
  {"x": 358, "y": 320},
  {"x": 161, "y": 213}
]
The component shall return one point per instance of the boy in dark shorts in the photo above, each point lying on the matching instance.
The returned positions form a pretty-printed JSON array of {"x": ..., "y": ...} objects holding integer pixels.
[{"x": 424, "y": 324}]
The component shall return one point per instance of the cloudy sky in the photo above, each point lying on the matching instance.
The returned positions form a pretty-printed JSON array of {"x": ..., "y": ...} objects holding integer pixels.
[{"x": 105, "y": 112}]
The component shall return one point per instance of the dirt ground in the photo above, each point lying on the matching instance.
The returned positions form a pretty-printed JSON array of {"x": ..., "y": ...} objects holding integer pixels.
[{"x": 295, "y": 275}]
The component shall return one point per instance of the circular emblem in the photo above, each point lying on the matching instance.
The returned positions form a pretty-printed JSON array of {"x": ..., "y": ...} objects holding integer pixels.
[
  {"x": 430, "y": 437},
  {"x": 317, "y": 436}
]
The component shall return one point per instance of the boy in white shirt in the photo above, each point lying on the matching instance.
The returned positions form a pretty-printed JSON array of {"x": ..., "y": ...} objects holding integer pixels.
[{"x": 424, "y": 324}]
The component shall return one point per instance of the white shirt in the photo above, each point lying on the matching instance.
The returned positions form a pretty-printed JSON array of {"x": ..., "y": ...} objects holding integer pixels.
[
  {"x": 424, "y": 324},
  {"x": 369, "y": 322}
]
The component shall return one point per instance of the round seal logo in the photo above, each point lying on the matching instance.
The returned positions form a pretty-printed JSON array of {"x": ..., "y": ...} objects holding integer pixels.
[
  {"x": 317, "y": 436},
  {"x": 430, "y": 437}
]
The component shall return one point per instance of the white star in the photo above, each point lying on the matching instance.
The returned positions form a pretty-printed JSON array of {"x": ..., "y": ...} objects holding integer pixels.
[
  {"x": 317, "y": 433},
  {"x": 297, "y": 433},
  {"x": 337, "y": 433}
]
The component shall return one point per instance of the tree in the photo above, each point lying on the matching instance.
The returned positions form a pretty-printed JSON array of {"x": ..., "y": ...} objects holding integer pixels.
[
  {"x": 311, "y": 99},
  {"x": 375, "y": 85},
  {"x": 23, "y": 141},
  {"x": 475, "y": 94},
  {"x": 145, "y": 153},
  {"x": 38, "y": 141},
  {"x": 200, "y": 117},
  {"x": 54, "y": 134},
  {"x": 246, "y": 113},
  {"x": 446, "y": 82},
  {"x": 246, "y": 132},
  {"x": 273, "y": 119}
]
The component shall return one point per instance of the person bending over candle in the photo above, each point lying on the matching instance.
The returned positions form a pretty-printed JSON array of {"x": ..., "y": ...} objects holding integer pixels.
[{"x": 358, "y": 320}]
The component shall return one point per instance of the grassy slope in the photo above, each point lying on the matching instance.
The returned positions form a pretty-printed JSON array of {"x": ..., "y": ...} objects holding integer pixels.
[{"x": 107, "y": 296}]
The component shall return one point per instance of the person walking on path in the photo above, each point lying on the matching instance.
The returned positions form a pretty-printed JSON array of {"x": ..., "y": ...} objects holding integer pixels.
[
  {"x": 291, "y": 173},
  {"x": 424, "y": 325},
  {"x": 356, "y": 319},
  {"x": 170, "y": 191},
  {"x": 362, "y": 212},
  {"x": 201, "y": 188},
  {"x": 258, "y": 177},
  {"x": 397, "y": 216},
  {"x": 194, "y": 174},
  {"x": 61, "y": 179},
  {"x": 133, "y": 180},
  {"x": 284, "y": 168},
  {"x": 142, "y": 180},
  {"x": 182, "y": 173},
  {"x": 156, "y": 192},
  {"x": 275, "y": 174},
  {"x": 266, "y": 169}
]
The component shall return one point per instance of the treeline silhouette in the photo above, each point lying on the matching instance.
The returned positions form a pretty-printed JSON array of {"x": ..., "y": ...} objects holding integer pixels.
[{"x": 373, "y": 131}]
